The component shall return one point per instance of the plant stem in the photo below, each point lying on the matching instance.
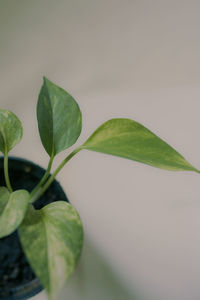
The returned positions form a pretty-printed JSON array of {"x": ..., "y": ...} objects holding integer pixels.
[
  {"x": 44, "y": 178},
  {"x": 42, "y": 189},
  {"x": 6, "y": 171}
]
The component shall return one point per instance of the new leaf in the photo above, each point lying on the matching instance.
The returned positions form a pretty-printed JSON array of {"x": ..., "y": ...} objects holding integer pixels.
[
  {"x": 59, "y": 118},
  {"x": 129, "y": 139}
]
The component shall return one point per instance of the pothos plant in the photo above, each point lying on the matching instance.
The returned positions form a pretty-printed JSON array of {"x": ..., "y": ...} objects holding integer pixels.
[{"x": 52, "y": 237}]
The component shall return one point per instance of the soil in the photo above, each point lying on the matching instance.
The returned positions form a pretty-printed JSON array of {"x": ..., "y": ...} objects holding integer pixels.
[{"x": 15, "y": 270}]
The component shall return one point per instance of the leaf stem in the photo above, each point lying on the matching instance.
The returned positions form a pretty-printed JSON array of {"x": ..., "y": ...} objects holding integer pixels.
[
  {"x": 44, "y": 178},
  {"x": 7, "y": 179},
  {"x": 42, "y": 189}
]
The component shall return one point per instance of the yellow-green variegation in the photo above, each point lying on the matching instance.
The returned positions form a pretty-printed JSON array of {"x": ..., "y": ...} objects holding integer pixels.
[
  {"x": 10, "y": 130},
  {"x": 13, "y": 207},
  {"x": 129, "y": 139},
  {"x": 52, "y": 240},
  {"x": 52, "y": 237},
  {"x": 59, "y": 118}
]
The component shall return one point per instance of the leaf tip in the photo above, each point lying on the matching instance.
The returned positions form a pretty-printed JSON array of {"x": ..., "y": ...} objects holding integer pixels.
[{"x": 45, "y": 79}]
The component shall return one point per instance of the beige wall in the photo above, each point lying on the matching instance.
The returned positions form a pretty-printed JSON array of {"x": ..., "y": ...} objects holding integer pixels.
[{"x": 137, "y": 59}]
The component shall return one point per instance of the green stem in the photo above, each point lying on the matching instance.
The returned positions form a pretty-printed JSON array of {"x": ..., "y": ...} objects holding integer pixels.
[
  {"x": 7, "y": 179},
  {"x": 42, "y": 189},
  {"x": 44, "y": 178}
]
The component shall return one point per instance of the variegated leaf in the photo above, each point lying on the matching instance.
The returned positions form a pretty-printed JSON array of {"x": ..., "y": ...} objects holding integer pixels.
[
  {"x": 52, "y": 240},
  {"x": 129, "y": 139},
  {"x": 59, "y": 118},
  {"x": 13, "y": 207},
  {"x": 10, "y": 130}
]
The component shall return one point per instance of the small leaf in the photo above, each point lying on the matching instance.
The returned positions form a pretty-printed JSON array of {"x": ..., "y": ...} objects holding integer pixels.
[
  {"x": 52, "y": 241},
  {"x": 59, "y": 118},
  {"x": 13, "y": 207},
  {"x": 10, "y": 130},
  {"x": 129, "y": 139}
]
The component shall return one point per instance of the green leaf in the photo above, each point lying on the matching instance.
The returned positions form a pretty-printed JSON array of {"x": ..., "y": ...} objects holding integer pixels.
[
  {"x": 52, "y": 241},
  {"x": 10, "y": 130},
  {"x": 13, "y": 207},
  {"x": 129, "y": 139},
  {"x": 59, "y": 118}
]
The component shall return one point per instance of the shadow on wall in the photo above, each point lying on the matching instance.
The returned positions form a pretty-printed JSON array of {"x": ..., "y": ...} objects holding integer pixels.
[{"x": 94, "y": 280}]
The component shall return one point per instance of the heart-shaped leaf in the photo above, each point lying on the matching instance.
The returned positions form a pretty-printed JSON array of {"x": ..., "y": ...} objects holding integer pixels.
[
  {"x": 59, "y": 118},
  {"x": 52, "y": 240},
  {"x": 129, "y": 139},
  {"x": 10, "y": 130},
  {"x": 13, "y": 207}
]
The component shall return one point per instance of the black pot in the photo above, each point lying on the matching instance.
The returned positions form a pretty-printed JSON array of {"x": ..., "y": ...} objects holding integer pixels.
[{"x": 17, "y": 280}]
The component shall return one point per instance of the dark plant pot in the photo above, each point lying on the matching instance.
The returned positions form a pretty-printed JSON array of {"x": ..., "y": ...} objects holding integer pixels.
[{"x": 17, "y": 280}]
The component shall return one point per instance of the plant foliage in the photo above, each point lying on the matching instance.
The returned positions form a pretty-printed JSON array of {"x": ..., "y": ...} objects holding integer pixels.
[{"x": 52, "y": 237}]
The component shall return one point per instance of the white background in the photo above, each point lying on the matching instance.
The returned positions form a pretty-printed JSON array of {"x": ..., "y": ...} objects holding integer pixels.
[{"x": 130, "y": 58}]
